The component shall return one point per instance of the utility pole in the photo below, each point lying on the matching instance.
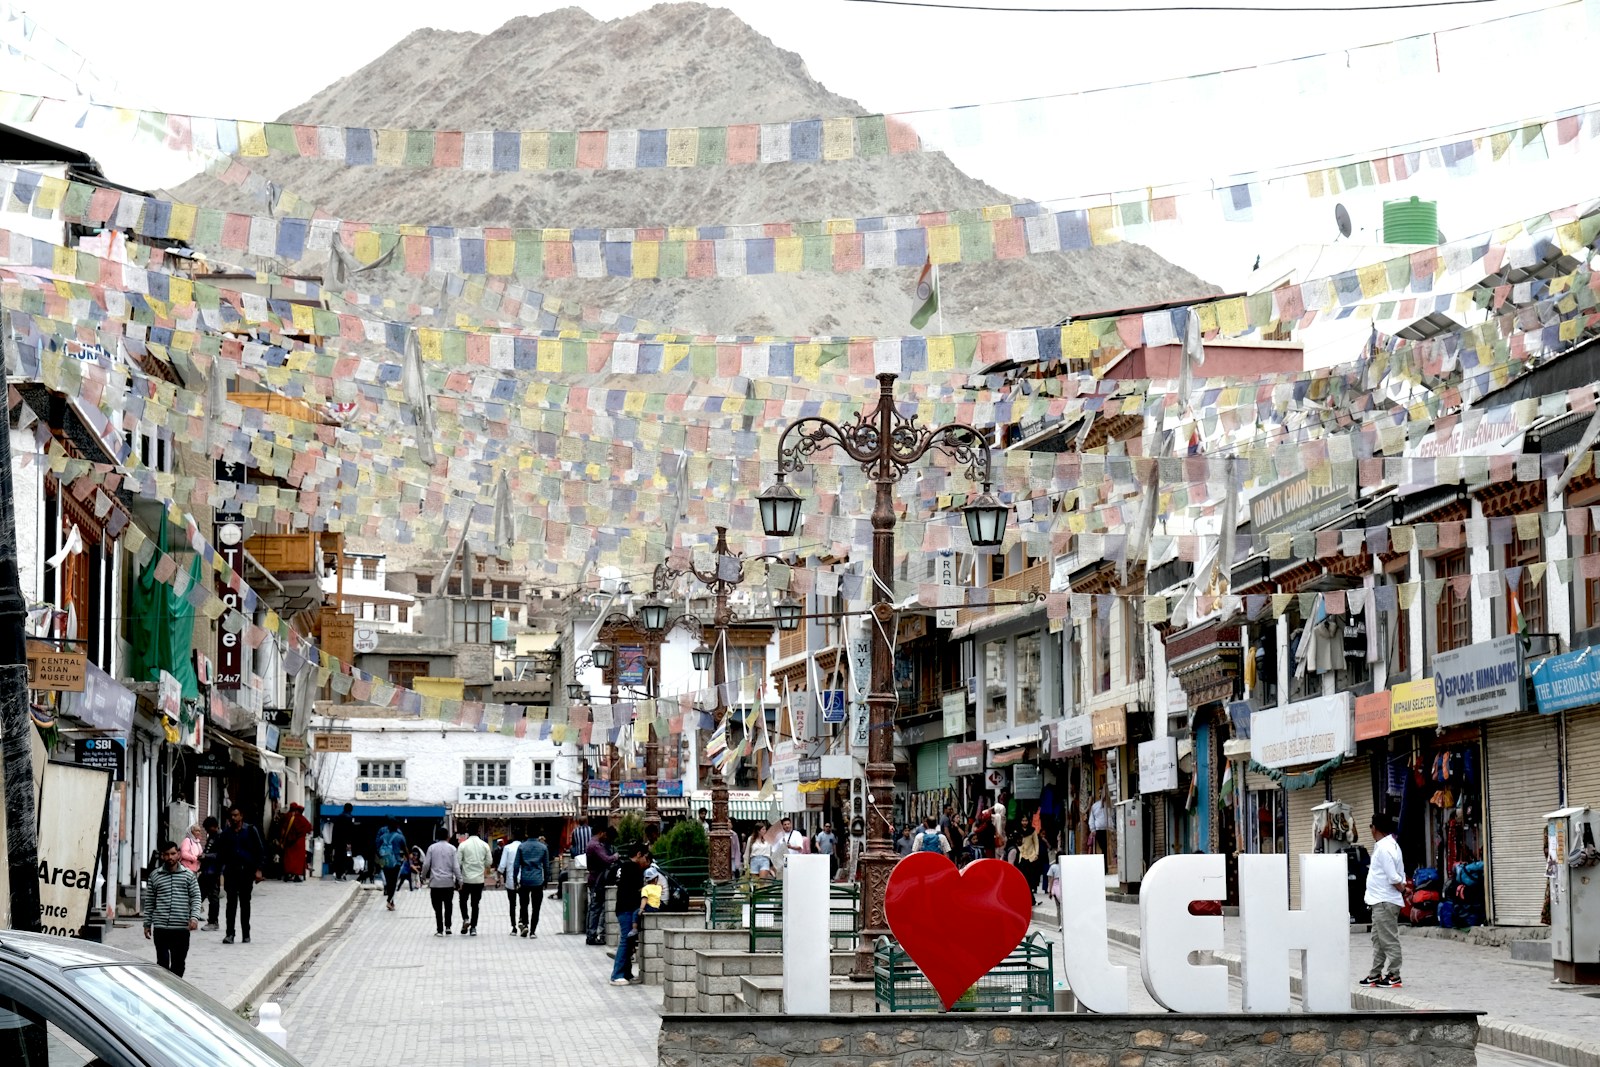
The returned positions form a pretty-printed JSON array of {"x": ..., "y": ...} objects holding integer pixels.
[{"x": 16, "y": 750}]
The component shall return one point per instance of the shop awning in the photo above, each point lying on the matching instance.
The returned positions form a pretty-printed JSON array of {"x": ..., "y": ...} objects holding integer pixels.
[
  {"x": 518, "y": 809},
  {"x": 676, "y": 804},
  {"x": 1005, "y": 757},
  {"x": 743, "y": 804},
  {"x": 385, "y": 811}
]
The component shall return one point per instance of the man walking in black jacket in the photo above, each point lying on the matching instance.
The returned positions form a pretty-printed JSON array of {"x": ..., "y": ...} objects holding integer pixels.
[{"x": 242, "y": 853}]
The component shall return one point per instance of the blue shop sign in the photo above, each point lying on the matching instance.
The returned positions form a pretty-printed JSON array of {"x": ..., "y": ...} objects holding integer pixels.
[{"x": 1568, "y": 681}]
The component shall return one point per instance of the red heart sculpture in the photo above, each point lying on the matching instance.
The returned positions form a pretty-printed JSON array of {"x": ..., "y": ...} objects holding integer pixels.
[{"x": 956, "y": 924}]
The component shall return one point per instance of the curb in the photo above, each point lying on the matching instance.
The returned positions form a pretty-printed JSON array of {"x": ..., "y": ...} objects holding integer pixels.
[
  {"x": 1513, "y": 1037},
  {"x": 269, "y": 972}
]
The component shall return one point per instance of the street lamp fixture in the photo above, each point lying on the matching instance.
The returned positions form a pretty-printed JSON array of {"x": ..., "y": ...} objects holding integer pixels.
[
  {"x": 986, "y": 519},
  {"x": 602, "y": 654},
  {"x": 653, "y": 613},
  {"x": 788, "y": 611},
  {"x": 577, "y": 692},
  {"x": 780, "y": 509},
  {"x": 701, "y": 657}
]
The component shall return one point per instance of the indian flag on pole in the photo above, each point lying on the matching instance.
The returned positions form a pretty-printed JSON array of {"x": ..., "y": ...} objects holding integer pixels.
[{"x": 927, "y": 294}]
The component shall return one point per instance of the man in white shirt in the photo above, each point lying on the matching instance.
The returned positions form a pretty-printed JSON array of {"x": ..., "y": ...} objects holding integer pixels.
[
  {"x": 787, "y": 840},
  {"x": 1098, "y": 823},
  {"x": 1386, "y": 881},
  {"x": 508, "y": 875}
]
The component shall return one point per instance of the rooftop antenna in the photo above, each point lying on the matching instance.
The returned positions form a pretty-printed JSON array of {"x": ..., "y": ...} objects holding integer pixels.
[{"x": 1341, "y": 218}]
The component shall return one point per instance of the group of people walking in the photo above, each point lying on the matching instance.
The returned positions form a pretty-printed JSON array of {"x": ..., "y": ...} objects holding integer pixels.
[
  {"x": 189, "y": 880},
  {"x": 982, "y": 836}
]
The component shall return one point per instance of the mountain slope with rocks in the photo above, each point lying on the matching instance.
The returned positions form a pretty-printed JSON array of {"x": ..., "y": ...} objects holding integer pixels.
[{"x": 677, "y": 65}]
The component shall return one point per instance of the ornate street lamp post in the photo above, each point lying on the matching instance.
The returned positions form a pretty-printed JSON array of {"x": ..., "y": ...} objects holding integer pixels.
[{"x": 885, "y": 443}]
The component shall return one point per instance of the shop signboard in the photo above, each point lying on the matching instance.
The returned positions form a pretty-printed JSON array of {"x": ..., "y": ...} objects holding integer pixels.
[
  {"x": 966, "y": 758},
  {"x": 381, "y": 790},
  {"x": 955, "y": 713},
  {"x": 477, "y": 794},
  {"x": 1158, "y": 765},
  {"x": 1074, "y": 733},
  {"x": 1565, "y": 682},
  {"x": 102, "y": 753},
  {"x": 1307, "y": 731},
  {"x": 1372, "y": 715},
  {"x": 105, "y": 703},
  {"x": 630, "y": 665},
  {"x": 1110, "y": 727},
  {"x": 228, "y": 533},
  {"x": 293, "y": 746},
  {"x": 811, "y": 769},
  {"x": 61, "y": 672},
  {"x": 1414, "y": 706},
  {"x": 337, "y": 742},
  {"x": 213, "y": 765},
  {"x": 1479, "y": 681},
  {"x": 945, "y": 618},
  {"x": 1027, "y": 783},
  {"x": 632, "y": 787},
  {"x": 71, "y": 819},
  {"x": 832, "y": 703},
  {"x": 1298, "y": 503},
  {"x": 860, "y": 650}
]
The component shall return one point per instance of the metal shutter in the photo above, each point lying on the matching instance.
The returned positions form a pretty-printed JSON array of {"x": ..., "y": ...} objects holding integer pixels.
[
  {"x": 933, "y": 765},
  {"x": 1583, "y": 758},
  {"x": 1520, "y": 769},
  {"x": 1298, "y": 807}
]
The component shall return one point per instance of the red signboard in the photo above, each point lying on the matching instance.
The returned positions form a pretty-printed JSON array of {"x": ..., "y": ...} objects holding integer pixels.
[{"x": 1372, "y": 716}]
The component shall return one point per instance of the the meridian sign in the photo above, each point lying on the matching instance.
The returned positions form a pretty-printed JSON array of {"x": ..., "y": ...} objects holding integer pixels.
[
  {"x": 1307, "y": 731},
  {"x": 1479, "y": 681},
  {"x": 1566, "y": 682}
]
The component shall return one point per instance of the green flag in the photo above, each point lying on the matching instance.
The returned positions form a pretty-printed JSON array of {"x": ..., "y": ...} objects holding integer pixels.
[{"x": 928, "y": 293}]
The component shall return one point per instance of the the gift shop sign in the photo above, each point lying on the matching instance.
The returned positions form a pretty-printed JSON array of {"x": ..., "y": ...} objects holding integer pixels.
[
  {"x": 1565, "y": 682},
  {"x": 1415, "y": 705},
  {"x": 1372, "y": 715},
  {"x": 1158, "y": 765},
  {"x": 1307, "y": 731},
  {"x": 1479, "y": 681}
]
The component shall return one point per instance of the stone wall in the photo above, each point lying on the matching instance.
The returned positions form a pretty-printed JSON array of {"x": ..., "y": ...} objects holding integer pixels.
[{"x": 1385, "y": 1039}]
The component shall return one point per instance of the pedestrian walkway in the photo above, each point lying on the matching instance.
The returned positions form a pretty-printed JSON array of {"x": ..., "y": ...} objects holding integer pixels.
[
  {"x": 1525, "y": 1010},
  {"x": 388, "y": 991},
  {"x": 284, "y": 919}
]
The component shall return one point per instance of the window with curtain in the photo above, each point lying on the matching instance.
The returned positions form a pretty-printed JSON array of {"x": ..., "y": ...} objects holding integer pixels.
[
  {"x": 996, "y": 686},
  {"x": 1524, "y": 552},
  {"x": 1102, "y": 650},
  {"x": 1453, "y": 616},
  {"x": 1029, "y": 677}
]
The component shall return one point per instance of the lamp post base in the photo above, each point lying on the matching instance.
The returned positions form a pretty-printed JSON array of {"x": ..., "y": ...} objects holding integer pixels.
[
  {"x": 875, "y": 867},
  {"x": 720, "y": 865}
]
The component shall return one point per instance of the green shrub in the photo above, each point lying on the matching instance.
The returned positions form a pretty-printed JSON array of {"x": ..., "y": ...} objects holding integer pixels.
[
  {"x": 685, "y": 840},
  {"x": 630, "y": 828}
]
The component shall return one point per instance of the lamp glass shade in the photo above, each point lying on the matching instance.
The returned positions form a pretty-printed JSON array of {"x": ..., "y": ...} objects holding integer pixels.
[
  {"x": 789, "y": 613},
  {"x": 701, "y": 657},
  {"x": 653, "y": 613},
  {"x": 576, "y": 692},
  {"x": 780, "y": 510},
  {"x": 986, "y": 521},
  {"x": 602, "y": 656}
]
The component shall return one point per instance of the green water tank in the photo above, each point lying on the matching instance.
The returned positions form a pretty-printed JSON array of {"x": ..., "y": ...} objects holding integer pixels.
[
  {"x": 499, "y": 629},
  {"x": 1410, "y": 222}
]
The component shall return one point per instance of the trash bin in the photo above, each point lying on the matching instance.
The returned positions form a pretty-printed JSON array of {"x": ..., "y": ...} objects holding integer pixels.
[{"x": 574, "y": 906}]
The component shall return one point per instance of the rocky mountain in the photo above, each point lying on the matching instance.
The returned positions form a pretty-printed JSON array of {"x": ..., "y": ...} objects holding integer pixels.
[{"x": 680, "y": 64}]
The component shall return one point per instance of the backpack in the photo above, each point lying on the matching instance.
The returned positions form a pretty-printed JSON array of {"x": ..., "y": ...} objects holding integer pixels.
[
  {"x": 929, "y": 842},
  {"x": 386, "y": 856}
]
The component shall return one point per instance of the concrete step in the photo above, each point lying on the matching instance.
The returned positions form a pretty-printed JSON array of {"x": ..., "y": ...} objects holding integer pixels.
[
  {"x": 763, "y": 995},
  {"x": 1531, "y": 951},
  {"x": 700, "y": 940}
]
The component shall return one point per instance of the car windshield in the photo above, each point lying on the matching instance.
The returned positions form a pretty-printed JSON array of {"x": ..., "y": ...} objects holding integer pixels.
[{"x": 183, "y": 1025}]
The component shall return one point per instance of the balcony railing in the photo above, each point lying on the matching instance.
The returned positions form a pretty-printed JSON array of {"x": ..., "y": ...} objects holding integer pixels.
[{"x": 1034, "y": 579}]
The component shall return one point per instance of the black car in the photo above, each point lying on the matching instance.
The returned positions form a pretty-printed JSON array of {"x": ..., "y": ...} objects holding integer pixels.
[{"x": 66, "y": 1003}]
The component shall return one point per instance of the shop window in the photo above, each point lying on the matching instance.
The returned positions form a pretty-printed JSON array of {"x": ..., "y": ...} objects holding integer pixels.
[
  {"x": 996, "y": 686},
  {"x": 487, "y": 773},
  {"x": 1133, "y": 638},
  {"x": 402, "y": 672},
  {"x": 1525, "y": 552},
  {"x": 381, "y": 768},
  {"x": 1101, "y": 664},
  {"x": 424, "y": 584},
  {"x": 1029, "y": 678},
  {"x": 1453, "y": 616},
  {"x": 544, "y": 773}
]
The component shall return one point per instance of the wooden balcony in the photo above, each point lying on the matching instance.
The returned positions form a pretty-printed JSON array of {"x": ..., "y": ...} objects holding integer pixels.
[
  {"x": 273, "y": 404},
  {"x": 294, "y": 553},
  {"x": 1034, "y": 579}
]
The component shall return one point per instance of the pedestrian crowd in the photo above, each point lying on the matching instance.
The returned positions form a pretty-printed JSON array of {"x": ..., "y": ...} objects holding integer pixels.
[{"x": 188, "y": 882}]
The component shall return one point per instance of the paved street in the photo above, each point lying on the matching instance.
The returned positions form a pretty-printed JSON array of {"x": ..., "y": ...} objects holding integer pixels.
[
  {"x": 387, "y": 991},
  {"x": 282, "y": 917}
]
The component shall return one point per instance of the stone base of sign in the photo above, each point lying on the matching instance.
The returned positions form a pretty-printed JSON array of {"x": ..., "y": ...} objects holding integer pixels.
[{"x": 971, "y": 1039}]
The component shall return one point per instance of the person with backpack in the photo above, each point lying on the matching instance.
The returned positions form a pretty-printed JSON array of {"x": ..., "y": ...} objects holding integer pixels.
[
  {"x": 930, "y": 839},
  {"x": 243, "y": 853},
  {"x": 599, "y": 860},
  {"x": 532, "y": 871},
  {"x": 391, "y": 849}
]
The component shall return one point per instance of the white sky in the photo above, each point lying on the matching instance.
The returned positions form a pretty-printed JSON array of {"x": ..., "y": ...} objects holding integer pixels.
[{"x": 250, "y": 62}]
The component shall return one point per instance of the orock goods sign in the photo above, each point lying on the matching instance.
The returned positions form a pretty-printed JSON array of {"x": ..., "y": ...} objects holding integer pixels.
[{"x": 1479, "y": 681}]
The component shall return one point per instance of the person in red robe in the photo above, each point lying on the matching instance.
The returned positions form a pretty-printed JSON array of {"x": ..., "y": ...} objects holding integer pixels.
[{"x": 293, "y": 843}]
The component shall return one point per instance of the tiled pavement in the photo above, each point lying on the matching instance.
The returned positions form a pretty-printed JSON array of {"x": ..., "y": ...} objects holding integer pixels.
[
  {"x": 387, "y": 991},
  {"x": 283, "y": 918}
]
